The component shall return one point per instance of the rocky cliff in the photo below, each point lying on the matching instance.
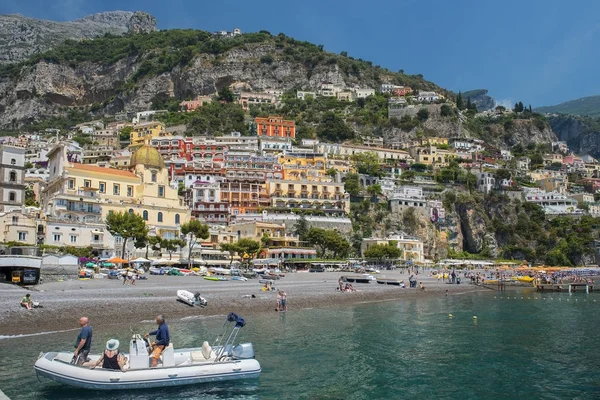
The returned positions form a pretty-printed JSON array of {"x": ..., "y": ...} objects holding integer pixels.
[
  {"x": 22, "y": 37},
  {"x": 112, "y": 74},
  {"x": 480, "y": 98},
  {"x": 582, "y": 134}
]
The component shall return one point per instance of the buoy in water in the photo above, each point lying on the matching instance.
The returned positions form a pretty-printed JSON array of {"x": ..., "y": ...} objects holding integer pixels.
[
  {"x": 449, "y": 315},
  {"x": 474, "y": 317}
]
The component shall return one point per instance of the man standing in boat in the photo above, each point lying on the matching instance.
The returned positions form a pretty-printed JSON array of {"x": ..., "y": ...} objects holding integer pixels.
[
  {"x": 161, "y": 340},
  {"x": 83, "y": 344}
]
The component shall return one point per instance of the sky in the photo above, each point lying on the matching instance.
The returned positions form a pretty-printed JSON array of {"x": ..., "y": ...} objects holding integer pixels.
[{"x": 540, "y": 52}]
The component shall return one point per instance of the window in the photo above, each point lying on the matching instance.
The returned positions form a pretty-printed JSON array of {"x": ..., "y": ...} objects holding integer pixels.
[
  {"x": 56, "y": 237},
  {"x": 22, "y": 236},
  {"x": 161, "y": 191},
  {"x": 116, "y": 189},
  {"x": 71, "y": 183},
  {"x": 13, "y": 161},
  {"x": 12, "y": 196},
  {"x": 129, "y": 191},
  {"x": 87, "y": 183},
  {"x": 145, "y": 215},
  {"x": 12, "y": 176},
  {"x": 154, "y": 176},
  {"x": 15, "y": 220},
  {"x": 73, "y": 238},
  {"x": 102, "y": 187},
  {"x": 160, "y": 217},
  {"x": 177, "y": 219},
  {"x": 96, "y": 238},
  {"x": 131, "y": 211}
]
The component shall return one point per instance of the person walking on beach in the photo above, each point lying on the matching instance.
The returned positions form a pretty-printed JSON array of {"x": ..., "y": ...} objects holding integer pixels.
[
  {"x": 83, "y": 344},
  {"x": 161, "y": 340}
]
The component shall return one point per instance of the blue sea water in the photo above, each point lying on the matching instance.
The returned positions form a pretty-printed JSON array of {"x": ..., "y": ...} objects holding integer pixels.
[{"x": 526, "y": 346}]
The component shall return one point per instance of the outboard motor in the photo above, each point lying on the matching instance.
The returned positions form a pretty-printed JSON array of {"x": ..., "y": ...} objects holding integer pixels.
[
  {"x": 199, "y": 300},
  {"x": 243, "y": 351}
]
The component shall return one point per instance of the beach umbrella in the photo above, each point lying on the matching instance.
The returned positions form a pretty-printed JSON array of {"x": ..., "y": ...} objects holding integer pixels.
[
  {"x": 117, "y": 260},
  {"x": 90, "y": 264}
]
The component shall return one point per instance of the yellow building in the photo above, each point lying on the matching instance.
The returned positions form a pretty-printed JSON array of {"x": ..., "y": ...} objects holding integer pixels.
[
  {"x": 15, "y": 226},
  {"x": 434, "y": 141},
  {"x": 431, "y": 155},
  {"x": 145, "y": 132},
  {"x": 85, "y": 194},
  {"x": 328, "y": 198},
  {"x": 303, "y": 165}
]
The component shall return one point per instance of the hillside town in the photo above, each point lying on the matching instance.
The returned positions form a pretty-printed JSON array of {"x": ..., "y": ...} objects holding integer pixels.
[{"x": 59, "y": 186}]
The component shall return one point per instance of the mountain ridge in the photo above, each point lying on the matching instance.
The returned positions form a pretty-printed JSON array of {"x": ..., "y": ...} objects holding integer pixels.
[
  {"x": 22, "y": 37},
  {"x": 584, "y": 106}
]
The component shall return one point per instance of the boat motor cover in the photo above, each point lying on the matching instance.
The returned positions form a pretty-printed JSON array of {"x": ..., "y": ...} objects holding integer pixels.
[{"x": 239, "y": 321}]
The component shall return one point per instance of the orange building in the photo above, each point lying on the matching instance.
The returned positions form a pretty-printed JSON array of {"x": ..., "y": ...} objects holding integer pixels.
[{"x": 275, "y": 126}]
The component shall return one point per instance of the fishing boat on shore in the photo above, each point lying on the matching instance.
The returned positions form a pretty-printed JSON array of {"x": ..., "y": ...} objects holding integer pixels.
[
  {"x": 390, "y": 281},
  {"x": 220, "y": 362},
  {"x": 365, "y": 278}
]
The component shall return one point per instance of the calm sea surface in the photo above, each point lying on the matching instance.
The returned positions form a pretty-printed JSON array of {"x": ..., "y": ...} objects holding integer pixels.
[{"x": 515, "y": 349}]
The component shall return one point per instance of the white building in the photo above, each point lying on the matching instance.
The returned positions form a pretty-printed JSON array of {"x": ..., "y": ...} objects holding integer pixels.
[
  {"x": 274, "y": 145},
  {"x": 328, "y": 89},
  {"x": 405, "y": 197},
  {"x": 363, "y": 93},
  {"x": 12, "y": 177},
  {"x": 300, "y": 94},
  {"x": 485, "y": 182},
  {"x": 553, "y": 202},
  {"x": 428, "y": 97},
  {"x": 412, "y": 247}
]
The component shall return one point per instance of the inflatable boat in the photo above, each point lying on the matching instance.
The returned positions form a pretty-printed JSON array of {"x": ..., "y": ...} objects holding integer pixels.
[
  {"x": 217, "y": 363},
  {"x": 191, "y": 299}
]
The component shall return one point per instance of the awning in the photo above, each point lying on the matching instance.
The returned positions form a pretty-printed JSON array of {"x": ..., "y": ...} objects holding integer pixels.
[{"x": 140, "y": 260}]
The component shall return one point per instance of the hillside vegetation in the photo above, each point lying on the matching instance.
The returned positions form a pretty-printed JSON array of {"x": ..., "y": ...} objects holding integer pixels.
[{"x": 585, "y": 106}]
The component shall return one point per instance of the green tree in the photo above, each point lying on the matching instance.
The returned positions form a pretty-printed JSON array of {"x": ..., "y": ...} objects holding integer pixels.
[
  {"x": 232, "y": 249},
  {"x": 170, "y": 245},
  {"x": 125, "y": 133},
  {"x": 375, "y": 190},
  {"x": 368, "y": 164},
  {"x": 352, "y": 184},
  {"x": 194, "y": 230},
  {"x": 127, "y": 226},
  {"x": 460, "y": 102},
  {"x": 333, "y": 128},
  {"x": 332, "y": 172},
  {"x": 502, "y": 174},
  {"x": 248, "y": 249},
  {"x": 446, "y": 111},
  {"x": 383, "y": 251},
  {"x": 301, "y": 227},
  {"x": 226, "y": 95},
  {"x": 423, "y": 114}
]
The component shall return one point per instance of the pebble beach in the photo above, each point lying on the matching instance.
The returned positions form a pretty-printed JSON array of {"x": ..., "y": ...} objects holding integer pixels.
[{"x": 109, "y": 302}]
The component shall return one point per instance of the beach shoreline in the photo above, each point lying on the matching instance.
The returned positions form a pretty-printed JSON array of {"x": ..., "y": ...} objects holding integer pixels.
[{"x": 108, "y": 302}]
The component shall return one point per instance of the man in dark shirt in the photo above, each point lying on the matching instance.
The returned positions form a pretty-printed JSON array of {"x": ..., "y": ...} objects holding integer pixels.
[
  {"x": 83, "y": 344},
  {"x": 161, "y": 341}
]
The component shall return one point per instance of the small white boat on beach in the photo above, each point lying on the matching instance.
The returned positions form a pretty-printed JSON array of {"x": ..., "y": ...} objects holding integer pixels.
[
  {"x": 191, "y": 299},
  {"x": 217, "y": 363}
]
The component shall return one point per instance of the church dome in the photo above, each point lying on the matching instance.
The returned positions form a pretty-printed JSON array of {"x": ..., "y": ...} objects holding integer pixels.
[{"x": 147, "y": 156}]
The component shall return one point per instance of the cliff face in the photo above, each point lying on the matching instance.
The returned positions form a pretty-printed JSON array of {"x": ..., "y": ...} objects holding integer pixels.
[
  {"x": 22, "y": 37},
  {"x": 581, "y": 134},
  {"x": 36, "y": 90}
]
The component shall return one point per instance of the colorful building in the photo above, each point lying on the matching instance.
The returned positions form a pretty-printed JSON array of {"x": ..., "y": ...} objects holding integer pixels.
[
  {"x": 275, "y": 126},
  {"x": 328, "y": 198},
  {"x": 301, "y": 165},
  {"x": 143, "y": 133}
]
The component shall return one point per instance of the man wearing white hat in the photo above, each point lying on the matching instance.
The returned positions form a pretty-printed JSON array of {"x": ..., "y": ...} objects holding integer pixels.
[{"x": 111, "y": 358}]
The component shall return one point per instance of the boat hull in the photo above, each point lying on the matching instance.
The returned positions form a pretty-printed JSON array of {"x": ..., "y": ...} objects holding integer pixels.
[{"x": 98, "y": 379}]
